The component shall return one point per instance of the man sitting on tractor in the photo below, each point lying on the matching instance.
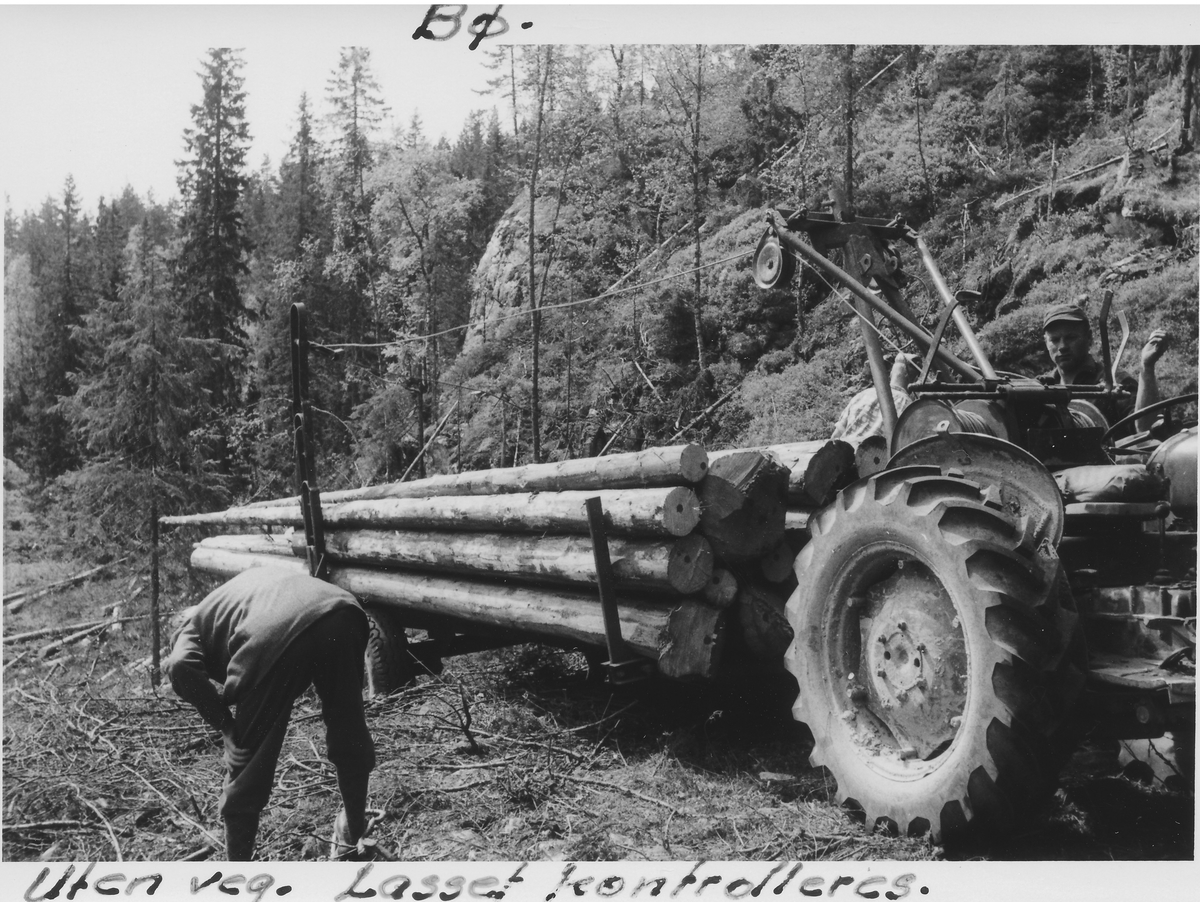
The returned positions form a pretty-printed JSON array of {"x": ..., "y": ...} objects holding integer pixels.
[{"x": 1068, "y": 336}]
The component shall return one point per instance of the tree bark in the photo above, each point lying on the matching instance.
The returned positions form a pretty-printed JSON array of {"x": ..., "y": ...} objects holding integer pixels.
[
  {"x": 680, "y": 566},
  {"x": 848, "y": 123},
  {"x": 651, "y": 468},
  {"x": 830, "y": 469},
  {"x": 630, "y": 512},
  {"x": 685, "y": 636},
  {"x": 743, "y": 501}
]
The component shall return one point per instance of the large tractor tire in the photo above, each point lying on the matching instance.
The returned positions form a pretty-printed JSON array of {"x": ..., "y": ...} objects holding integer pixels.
[
  {"x": 389, "y": 664},
  {"x": 931, "y": 652}
]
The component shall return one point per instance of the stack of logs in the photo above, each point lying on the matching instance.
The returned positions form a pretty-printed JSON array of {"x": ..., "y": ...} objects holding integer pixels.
[{"x": 702, "y": 546}]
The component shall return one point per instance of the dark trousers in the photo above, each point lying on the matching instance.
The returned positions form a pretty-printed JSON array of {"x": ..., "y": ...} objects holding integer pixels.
[{"x": 329, "y": 657}]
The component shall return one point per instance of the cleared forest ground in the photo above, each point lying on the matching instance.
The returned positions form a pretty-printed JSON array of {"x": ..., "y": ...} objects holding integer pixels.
[{"x": 510, "y": 755}]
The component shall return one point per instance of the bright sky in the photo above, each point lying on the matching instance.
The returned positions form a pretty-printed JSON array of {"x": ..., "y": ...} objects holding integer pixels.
[{"x": 104, "y": 93}]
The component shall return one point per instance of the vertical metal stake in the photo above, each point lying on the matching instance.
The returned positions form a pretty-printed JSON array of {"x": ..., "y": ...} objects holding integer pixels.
[
  {"x": 306, "y": 476},
  {"x": 623, "y": 665}
]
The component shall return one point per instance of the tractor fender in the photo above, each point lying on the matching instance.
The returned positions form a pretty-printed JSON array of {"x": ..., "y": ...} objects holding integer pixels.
[{"x": 1023, "y": 487}]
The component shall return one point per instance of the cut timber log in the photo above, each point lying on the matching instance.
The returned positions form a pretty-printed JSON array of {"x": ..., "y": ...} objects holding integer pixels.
[
  {"x": 658, "y": 512},
  {"x": 764, "y": 625},
  {"x": 652, "y": 630},
  {"x": 742, "y": 503},
  {"x": 829, "y": 470},
  {"x": 690, "y": 568},
  {"x": 681, "y": 566},
  {"x": 722, "y": 589},
  {"x": 695, "y": 642},
  {"x": 793, "y": 455},
  {"x": 651, "y": 468},
  {"x": 871, "y": 456},
  {"x": 776, "y": 565}
]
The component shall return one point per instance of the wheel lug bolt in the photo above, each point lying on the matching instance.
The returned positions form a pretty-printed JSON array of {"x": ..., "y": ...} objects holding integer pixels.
[
  {"x": 902, "y": 695},
  {"x": 956, "y": 722},
  {"x": 921, "y": 646},
  {"x": 881, "y": 673},
  {"x": 855, "y": 601},
  {"x": 883, "y": 640},
  {"x": 920, "y": 684},
  {"x": 903, "y": 626},
  {"x": 858, "y": 696}
]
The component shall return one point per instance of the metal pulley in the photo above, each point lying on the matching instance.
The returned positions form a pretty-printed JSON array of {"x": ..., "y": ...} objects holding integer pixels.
[{"x": 773, "y": 266}]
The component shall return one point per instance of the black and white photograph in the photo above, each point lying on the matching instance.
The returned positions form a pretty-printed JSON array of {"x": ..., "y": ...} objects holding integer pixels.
[{"x": 548, "y": 451}]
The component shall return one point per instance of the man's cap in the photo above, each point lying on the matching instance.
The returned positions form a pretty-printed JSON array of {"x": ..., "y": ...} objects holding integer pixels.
[{"x": 1065, "y": 313}]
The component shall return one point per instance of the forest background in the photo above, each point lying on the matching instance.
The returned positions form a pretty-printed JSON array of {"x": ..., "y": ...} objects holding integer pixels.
[{"x": 571, "y": 274}]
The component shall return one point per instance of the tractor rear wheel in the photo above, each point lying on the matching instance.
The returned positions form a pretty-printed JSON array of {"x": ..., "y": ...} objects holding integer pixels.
[
  {"x": 389, "y": 664},
  {"x": 931, "y": 652}
]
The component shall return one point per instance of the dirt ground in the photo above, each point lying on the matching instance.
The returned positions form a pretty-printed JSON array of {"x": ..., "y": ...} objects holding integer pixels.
[{"x": 509, "y": 755}]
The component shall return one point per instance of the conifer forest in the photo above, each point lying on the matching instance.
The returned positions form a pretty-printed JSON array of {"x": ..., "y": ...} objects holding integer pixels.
[
  {"x": 568, "y": 276},
  {"x": 145, "y": 344}
]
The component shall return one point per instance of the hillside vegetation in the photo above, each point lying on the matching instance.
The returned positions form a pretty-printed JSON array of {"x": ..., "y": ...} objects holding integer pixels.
[{"x": 1036, "y": 174}]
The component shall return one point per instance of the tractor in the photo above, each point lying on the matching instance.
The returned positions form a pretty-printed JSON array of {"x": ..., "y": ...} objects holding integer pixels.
[{"x": 1018, "y": 577}]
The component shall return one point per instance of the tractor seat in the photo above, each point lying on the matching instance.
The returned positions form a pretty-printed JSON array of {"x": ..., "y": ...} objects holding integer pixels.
[
  {"x": 1110, "y": 494},
  {"x": 1130, "y": 484}
]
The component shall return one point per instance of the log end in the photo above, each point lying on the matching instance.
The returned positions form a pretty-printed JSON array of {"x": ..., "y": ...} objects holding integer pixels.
[
  {"x": 690, "y": 565},
  {"x": 722, "y": 589},
  {"x": 693, "y": 642},
  {"x": 693, "y": 464},
  {"x": 681, "y": 511},
  {"x": 764, "y": 625},
  {"x": 871, "y": 456},
  {"x": 776, "y": 564},
  {"x": 831, "y": 469}
]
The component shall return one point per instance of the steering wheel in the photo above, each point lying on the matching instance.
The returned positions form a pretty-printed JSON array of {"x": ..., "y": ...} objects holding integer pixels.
[{"x": 1167, "y": 426}]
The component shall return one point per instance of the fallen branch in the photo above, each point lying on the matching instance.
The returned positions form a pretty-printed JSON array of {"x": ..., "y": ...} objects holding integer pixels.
[
  {"x": 437, "y": 430},
  {"x": 708, "y": 410},
  {"x": 49, "y": 825},
  {"x": 200, "y": 854},
  {"x": 17, "y": 659},
  {"x": 208, "y": 834},
  {"x": 1074, "y": 175},
  {"x": 112, "y": 836},
  {"x": 47, "y": 650},
  {"x": 16, "y": 600},
  {"x": 55, "y": 630},
  {"x": 624, "y": 789}
]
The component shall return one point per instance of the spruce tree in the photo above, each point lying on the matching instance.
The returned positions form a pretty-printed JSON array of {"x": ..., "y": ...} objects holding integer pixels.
[
  {"x": 357, "y": 114},
  {"x": 212, "y": 182},
  {"x": 138, "y": 402}
]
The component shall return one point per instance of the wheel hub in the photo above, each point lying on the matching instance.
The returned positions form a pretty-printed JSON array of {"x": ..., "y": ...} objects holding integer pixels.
[{"x": 913, "y": 662}]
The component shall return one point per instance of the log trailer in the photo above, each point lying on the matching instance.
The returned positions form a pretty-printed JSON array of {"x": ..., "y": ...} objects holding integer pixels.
[{"x": 973, "y": 594}]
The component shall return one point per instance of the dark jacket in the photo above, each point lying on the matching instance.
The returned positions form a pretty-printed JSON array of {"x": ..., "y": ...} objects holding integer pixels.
[
  {"x": 1092, "y": 373},
  {"x": 242, "y": 627}
]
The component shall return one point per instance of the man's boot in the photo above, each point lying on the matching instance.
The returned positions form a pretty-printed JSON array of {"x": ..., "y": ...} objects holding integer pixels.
[{"x": 240, "y": 831}]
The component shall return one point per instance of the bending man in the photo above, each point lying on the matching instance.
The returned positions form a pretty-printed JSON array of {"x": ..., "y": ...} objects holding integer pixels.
[{"x": 264, "y": 637}]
